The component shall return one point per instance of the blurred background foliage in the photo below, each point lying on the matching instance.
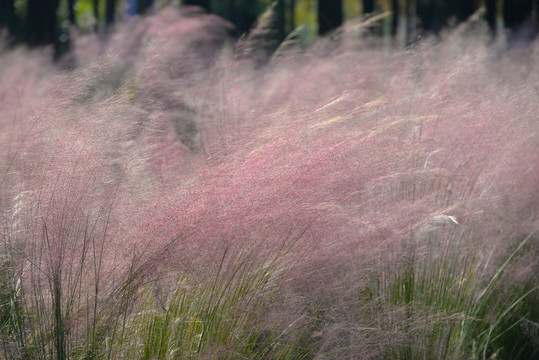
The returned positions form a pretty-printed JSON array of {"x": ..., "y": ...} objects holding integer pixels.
[{"x": 45, "y": 22}]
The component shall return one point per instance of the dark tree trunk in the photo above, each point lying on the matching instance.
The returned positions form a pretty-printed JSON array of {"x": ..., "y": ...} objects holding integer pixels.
[
  {"x": 110, "y": 12},
  {"x": 71, "y": 12},
  {"x": 368, "y": 6},
  {"x": 7, "y": 16},
  {"x": 491, "y": 15},
  {"x": 516, "y": 11},
  {"x": 95, "y": 3},
  {"x": 329, "y": 15},
  {"x": 143, "y": 6},
  {"x": 280, "y": 12},
  {"x": 205, "y": 4},
  {"x": 395, "y": 17},
  {"x": 292, "y": 12},
  {"x": 42, "y": 21}
]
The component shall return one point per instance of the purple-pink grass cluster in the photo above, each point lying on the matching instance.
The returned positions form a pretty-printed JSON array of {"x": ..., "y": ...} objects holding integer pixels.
[{"x": 162, "y": 147}]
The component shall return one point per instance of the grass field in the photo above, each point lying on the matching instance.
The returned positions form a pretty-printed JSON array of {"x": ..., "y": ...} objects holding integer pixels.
[{"x": 169, "y": 194}]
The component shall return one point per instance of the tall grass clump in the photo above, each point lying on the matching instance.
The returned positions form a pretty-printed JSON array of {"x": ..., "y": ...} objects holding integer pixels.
[{"x": 179, "y": 195}]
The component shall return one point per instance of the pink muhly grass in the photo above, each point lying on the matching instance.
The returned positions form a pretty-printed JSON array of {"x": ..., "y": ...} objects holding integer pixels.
[{"x": 372, "y": 168}]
